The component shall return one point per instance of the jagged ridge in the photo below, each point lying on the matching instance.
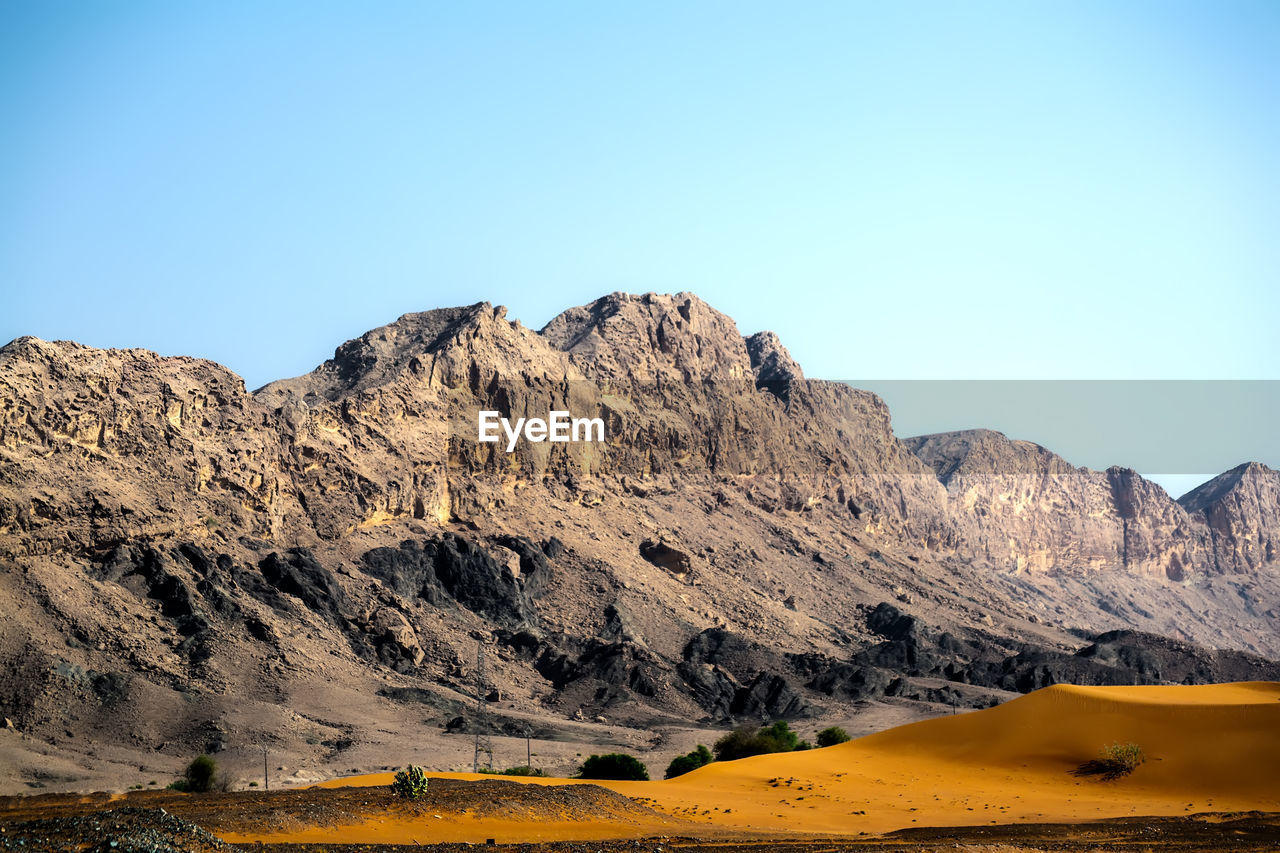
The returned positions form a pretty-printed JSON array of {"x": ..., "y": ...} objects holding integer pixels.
[{"x": 726, "y": 554}]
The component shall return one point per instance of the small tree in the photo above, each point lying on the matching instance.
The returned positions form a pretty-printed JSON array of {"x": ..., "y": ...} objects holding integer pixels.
[
  {"x": 744, "y": 742},
  {"x": 832, "y": 736},
  {"x": 738, "y": 743},
  {"x": 780, "y": 734},
  {"x": 614, "y": 766},
  {"x": 200, "y": 775},
  {"x": 410, "y": 783},
  {"x": 682, "y": 764}
]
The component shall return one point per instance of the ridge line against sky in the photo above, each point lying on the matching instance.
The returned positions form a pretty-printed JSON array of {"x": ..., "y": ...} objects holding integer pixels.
[{"x": 905, "y": 191}]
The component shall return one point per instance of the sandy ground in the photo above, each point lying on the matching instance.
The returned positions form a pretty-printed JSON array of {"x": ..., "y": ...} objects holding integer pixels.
[
  {"x": 387, "y": 738},
  {"x": 382, "y": 735},
  {"x": 1211, "y": 776},
  {"x": 1208, "y": 748}
]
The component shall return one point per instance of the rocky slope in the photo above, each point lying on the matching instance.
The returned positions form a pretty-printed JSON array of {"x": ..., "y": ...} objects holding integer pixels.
[{"x": 188, "y": 565}]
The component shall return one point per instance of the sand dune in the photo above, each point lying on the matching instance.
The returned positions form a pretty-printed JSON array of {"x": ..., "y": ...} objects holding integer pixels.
[{"x": 1208, "y": 748}]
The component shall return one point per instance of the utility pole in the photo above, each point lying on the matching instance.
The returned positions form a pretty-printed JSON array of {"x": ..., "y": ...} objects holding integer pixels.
[
  {"x": 266, "y": 780},
  {"x": 483, "y": 742}
]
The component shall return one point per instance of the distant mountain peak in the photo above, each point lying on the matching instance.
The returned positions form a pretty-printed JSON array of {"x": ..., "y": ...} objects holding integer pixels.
[{"x": 1243, "y": 476}]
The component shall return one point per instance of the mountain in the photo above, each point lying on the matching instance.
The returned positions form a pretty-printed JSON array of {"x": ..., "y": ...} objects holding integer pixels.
[
  {"x": 1031, "y": 510},
  {"x": 1242, "y": 510},
  {"x": 186, "y": 565}
]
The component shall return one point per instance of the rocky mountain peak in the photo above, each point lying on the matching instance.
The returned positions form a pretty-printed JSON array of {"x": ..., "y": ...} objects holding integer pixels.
[
  {"x": 775, "y": 370},
  {"x": 1242, "y": 509},
  {"x": 974, "y": 453},
  {"x": 1134, "y": 494},
  {"x": 450, "y": 347},
  {"x": 651, "y": 336},
  {"x": 23, "y": 347},
  {"x": 1243, "y": 477},
  {"x": 61, "y": 365}
]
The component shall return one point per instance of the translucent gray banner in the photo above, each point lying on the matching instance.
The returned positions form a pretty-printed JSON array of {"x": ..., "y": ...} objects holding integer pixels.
[{"x": 1176, "y": 432}]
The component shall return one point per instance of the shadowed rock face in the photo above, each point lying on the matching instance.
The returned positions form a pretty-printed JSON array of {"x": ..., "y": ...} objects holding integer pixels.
[
  {"x": 774, "y": 369},
  {"x": 726, "y": 553},
  {"x": 453, "y": 567}
]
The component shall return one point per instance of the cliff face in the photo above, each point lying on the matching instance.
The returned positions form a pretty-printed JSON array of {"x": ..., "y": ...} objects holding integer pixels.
[
  {"x": 672, "y": 379},
  {"x": 1019, "y": 506},
  {"x": 1242, "y": 510},
  {"x": 168, "y": 539},
  {"x": 102, "y": 446}
]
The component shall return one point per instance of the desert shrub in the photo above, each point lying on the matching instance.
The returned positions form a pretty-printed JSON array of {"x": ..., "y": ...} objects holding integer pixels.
[
  {"x": 738, "y": 743},
  {"x": 1114, "y": 761},
  {"x": 781, "y": 734},
  {"x": 744, "y": 742},
  {"x": 522, "y": 770},
  {"x": 200, "y": 775},
  {"x": 410, "y": 783},
  {"x": 1124, "y": 756},
  {"x": 682, "y": 764},
  {"x": 616, "y": 766},
  {"x": 832, "y": 736}
]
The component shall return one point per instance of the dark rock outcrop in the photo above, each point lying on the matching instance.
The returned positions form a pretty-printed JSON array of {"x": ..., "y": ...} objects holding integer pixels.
[
  {"x": 299, "y": 574},
  {"x": 452, "y": 567},
  {"x": 664, "y": 556}
]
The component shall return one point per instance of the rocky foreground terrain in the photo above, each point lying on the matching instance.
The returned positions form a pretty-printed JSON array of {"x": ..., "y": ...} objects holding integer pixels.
[
  {"x": 309, "y": 568},
  {"x": 172, "y": 823}
]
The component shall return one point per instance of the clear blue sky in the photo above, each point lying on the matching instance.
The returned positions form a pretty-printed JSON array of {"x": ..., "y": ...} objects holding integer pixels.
[{"x": 899, "y": 189}]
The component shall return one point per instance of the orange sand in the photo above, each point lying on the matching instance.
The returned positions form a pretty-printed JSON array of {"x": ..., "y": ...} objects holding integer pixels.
[{"x": 1208, "y": 748}]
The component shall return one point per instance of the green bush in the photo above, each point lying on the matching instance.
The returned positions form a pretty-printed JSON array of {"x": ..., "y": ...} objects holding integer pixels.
[
  {"x": 739, "y": 743},
  {"x": 682, "y": 764},
  {"x": 200, "y": 775},
  {"x": 833, "y": 736},
  {"x": 781, "y": 734},
  {"x": 615, "y": 766},
  {"x": 744, "y": 741},
  {"x": 1113, "y": 762},
  {"x": 410, "y": 783}
]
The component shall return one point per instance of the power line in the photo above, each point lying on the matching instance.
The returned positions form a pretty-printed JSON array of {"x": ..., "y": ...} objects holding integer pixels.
[{"x": 481, "y": 722}]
